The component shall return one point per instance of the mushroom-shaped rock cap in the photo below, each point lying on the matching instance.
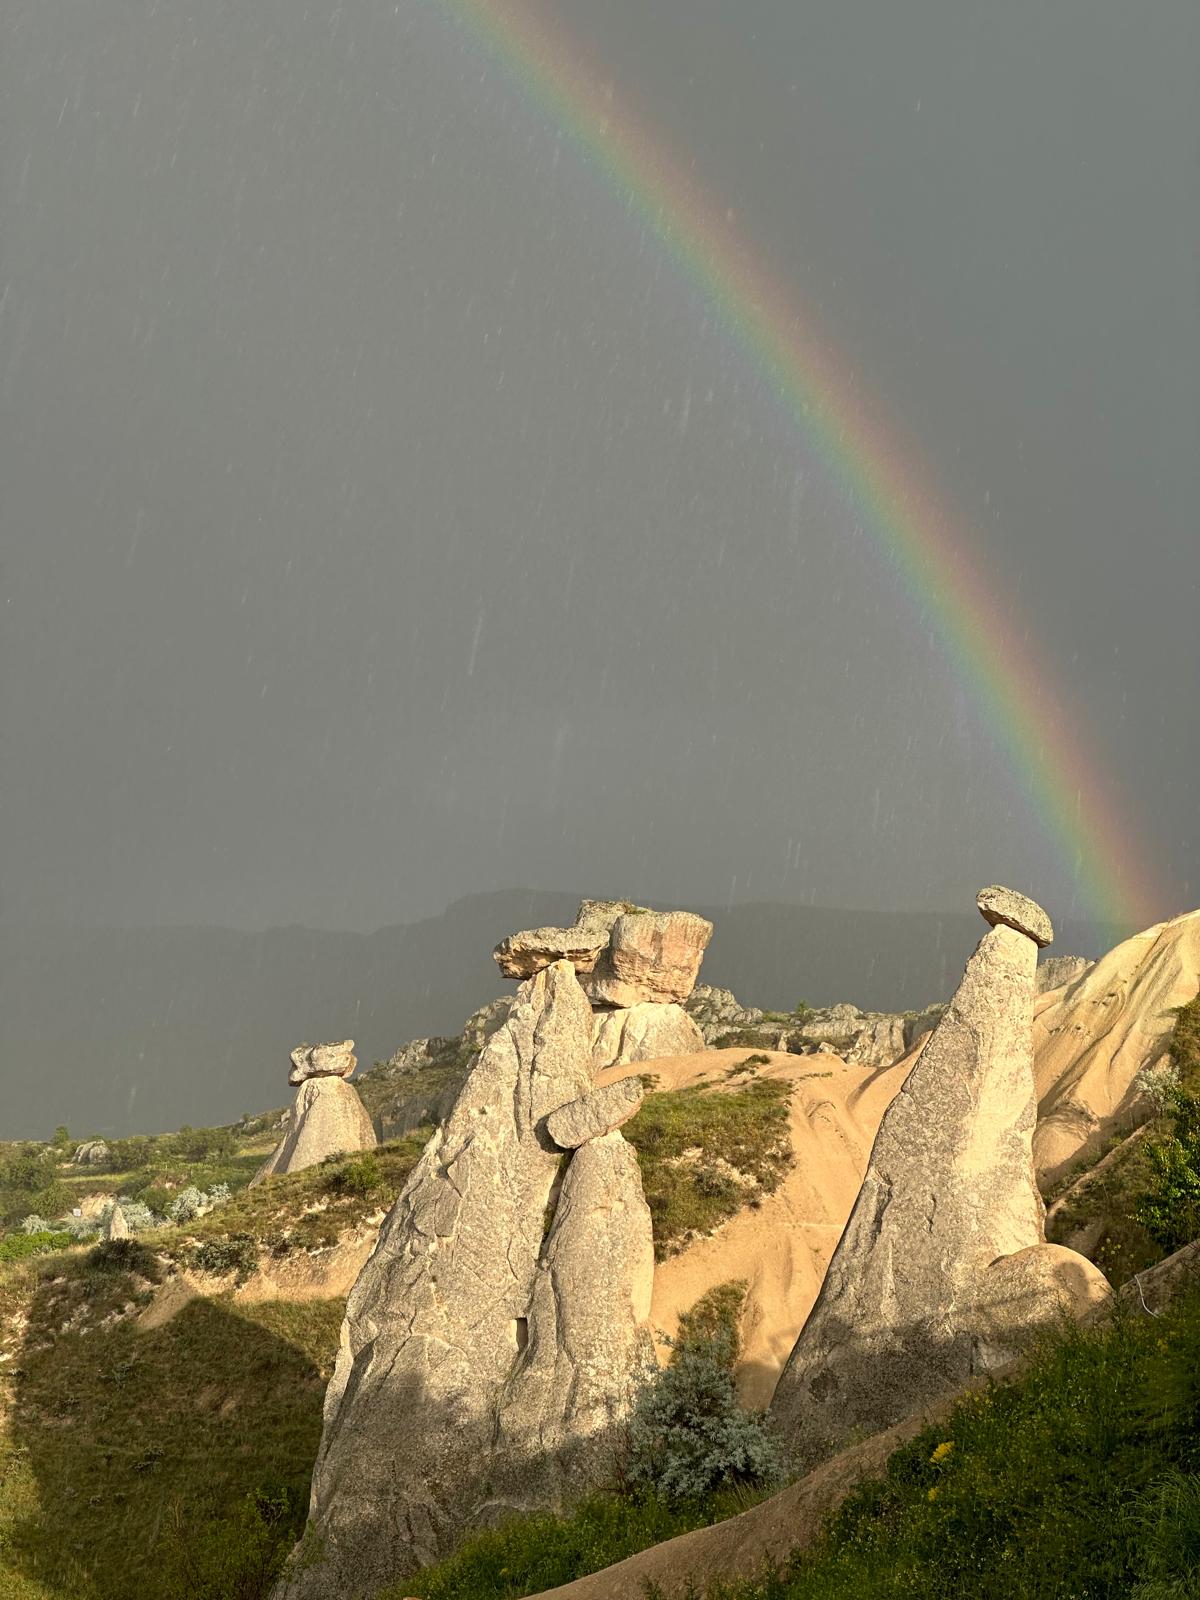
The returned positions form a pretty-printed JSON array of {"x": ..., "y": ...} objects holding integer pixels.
[
  {"x": 334, "y": 1060},
  {"x": 1000, "y": 905}
]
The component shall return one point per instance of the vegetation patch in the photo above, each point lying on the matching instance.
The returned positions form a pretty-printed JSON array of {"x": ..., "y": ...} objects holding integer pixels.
[
  {"x": 164, "y": 1463},
  {"x": 1079, "y": 1480},
  {"x": 704, "y": 1155}
]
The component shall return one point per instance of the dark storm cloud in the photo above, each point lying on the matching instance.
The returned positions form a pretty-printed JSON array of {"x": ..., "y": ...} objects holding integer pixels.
[{"x": 386, "y": 520}]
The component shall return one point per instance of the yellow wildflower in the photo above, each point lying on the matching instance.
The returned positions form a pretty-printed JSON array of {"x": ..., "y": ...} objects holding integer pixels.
[
  {"x": 942, "y": 1451},
  {"x": 933, "y": 1492}
]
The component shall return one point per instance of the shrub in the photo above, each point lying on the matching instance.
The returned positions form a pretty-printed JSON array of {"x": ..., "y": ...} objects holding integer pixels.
[
  {"x": 359, "y": 1177},
  {"x": 124, "y": 1255},
  {"x": 35, "y": 1224},
  {"x": 1169, "y": 1210},
  {"x": 688, "y": 1436},
  {"x": 187, "y": 1204},
  {"x": 238, "y": 1253},
  {"x": 21, "y": 1246},
  {"x": 1167, "y": 1520}
]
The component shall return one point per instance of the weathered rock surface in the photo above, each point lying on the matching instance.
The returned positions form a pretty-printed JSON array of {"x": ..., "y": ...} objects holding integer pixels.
[
  {"x": 589, "y": 1337},
  {"x": 942, "y": 1270},
  {"x": 596, "y": 1114},
  {"x": 639, "y": 1033},
  {"x": 1006, "y": 908},
  {"x": 327, "y": 1119},
  {"x": 91, "y": 1153},
  {"x": 867, "y": 1038},
  {"x": 622, "y": 954},
  {"x": 335, "y": 1060},
  {"x": 116, "y": 1227},
  {"x": 718, "y": 1011},
  {"x": 651, "y": 955},
  {"x": 436, "y": 1320},
  {"x": 1058, "y": 971},
  {"x": 1093, "y": 1039}
]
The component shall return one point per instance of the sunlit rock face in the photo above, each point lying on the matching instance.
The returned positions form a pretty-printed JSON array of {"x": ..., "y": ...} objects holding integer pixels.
[
  {"x": 327, "y": 1117},
  {"x": 484, "y": 1362},
  {"x": 942, "y": 1271}
]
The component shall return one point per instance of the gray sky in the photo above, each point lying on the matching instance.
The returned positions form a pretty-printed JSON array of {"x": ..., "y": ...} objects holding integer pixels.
[{"x": 385, "y": 519}]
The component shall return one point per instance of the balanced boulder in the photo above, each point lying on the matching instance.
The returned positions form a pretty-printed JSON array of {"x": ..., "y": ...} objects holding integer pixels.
[
  {"x": 596, "y": 1114},
  {"x": 942, "y": 1271},
  {"x": 327, "y": 1117},
  {"x": 641, "y": 1032}
]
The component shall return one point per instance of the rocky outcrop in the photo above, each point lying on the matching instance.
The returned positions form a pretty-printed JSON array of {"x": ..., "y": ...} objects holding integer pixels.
[
  {"x": 639, "y": 1033},
  {"x": 597, "y": 1114},
  {"x": 1092, "y": 1039},
  {"x": 589, "y": 1344},
  {"x": 327, "y": 1117},
  {"x": 116, "y": 1227},
  {"x": 91, "y": 1153},
  {"x": 1056, "y": 972},
  {"x": 623, "y": 955},
  {"x": 942, "y": 1270},
  {"x": 718, "y": 1011},
  {"x": 467, "y": 1338},
  {"x": 867, "y": 1038},
  {"x": 336, "y": 1060}
]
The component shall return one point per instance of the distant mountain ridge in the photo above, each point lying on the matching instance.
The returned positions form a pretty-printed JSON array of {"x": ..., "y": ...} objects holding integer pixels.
[{"x": 116, "y": 1031}]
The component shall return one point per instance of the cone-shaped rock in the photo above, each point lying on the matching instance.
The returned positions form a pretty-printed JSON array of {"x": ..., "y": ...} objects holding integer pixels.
[
  {"x": 116, "y": 1227},
  {"x": 942, "y": 1270},
  {"x": 327, "y": 1117},
  {"x": 589, "y": 1342},
  {"x": 438, "y": 1316}
]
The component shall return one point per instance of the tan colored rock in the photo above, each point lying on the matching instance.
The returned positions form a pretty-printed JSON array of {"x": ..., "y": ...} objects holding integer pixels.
[
  {"x": 327, "y": 1119},
  {"x": 642, "y": 1032},
  {"x": 942, "y": 1271},
  {"x": 434, "y": 1324},
  {"x": 116, "y": 1227},
  {"x": 1092, "y": 1039},
  {"x": 335, "y": 1060},
  {"x": 1006, "y": 908},
  {"x": 589, "y": 1343},
  {"x": 1058, "y": 971},
  {"x": 596, "y": 1114},
  {"x": 522, "y": 955},
  {"x": 651, "y": 955}
]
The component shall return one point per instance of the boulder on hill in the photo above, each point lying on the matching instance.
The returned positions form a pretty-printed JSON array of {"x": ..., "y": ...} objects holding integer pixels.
[
  {"x": 116, "y": 1227},
  {"x": 327, "y": 1117},
  {"x": 91, "y": 1153},
  {"x": 434, "y": 1405},
  {"x": 942, "y": 1271}
]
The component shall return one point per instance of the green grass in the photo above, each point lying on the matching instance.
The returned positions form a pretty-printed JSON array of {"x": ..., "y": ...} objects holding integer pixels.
[
  {"x": 139, "y": 1461},
  {"x": 694, "y": 1143},
  {"x": 306, "y": 1210},
  {"x": 1030, "y": 1491}
]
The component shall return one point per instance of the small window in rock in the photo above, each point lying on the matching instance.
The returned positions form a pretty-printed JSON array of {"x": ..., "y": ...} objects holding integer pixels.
[{"x": 522, "y": 1327}]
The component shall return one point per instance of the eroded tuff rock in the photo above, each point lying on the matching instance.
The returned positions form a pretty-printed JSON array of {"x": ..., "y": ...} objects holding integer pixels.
[
  {"x": 1056, "y": 972},
  {"x": 1006, "y": 908},
  {"x": 335, "y": 1060},
  {"x": 589, "y": 1344},
  {"x": 116, "y": 1227},
  {"x": 639, "y": 1033},
  {"x": 437, "y": 1319},
  {"x": 866, "y": 1038},
  {"x": 942, "y": 1270},
  {"x": 623, "y": 955},
  {"x": 596, "y": 1114},
  {"x": 327, "y": 1117}
]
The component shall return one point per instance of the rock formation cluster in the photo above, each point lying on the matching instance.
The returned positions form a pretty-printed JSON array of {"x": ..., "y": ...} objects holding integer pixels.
[
  {"x": 495, "y": 1339},
  {"x": 636, "y": 967},
  {"x": 942, "y": 1271},
  {"x": 861, "y": 1038},
  {"x": 327, "y": 1117}
]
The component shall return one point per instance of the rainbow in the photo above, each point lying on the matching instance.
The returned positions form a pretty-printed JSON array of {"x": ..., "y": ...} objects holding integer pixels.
[{"x": 817, "y": 390}]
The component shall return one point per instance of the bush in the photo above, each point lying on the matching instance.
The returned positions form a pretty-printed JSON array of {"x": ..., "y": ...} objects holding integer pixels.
[
  {"x": 360, "y": 1177},
  {"x": 238, "y": 1253},
  {"x": 1170, "y": 1208},
  {"x": 21, "y": 1246},
  {"x": 124, "y": 1255},
  {"x": 1167, "y": 1519},
  {"x": 237, "y": 1558},
  {"x": 688, "y": 1436},
  {"x": 187, "y": 1204}
]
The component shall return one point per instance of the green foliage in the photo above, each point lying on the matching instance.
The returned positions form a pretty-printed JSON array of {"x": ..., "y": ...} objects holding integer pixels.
[
  {"x": 62, "y": 1136},
  {"x": 236, "y": 1253},
  {"x": 1075, "y": 1482},
  {"x": 529, "y": 1554},
  {"x": 704, "y": 1155},
  {"x": 238, "y": 1557},
  {"x": 1169, "y": 1209},
  {"x": 362, "y": 1176},
  {"x": 688, "y": 1436},
  {"x": 22, "y": 1246},
  {"x": 124, "y": 1255}
]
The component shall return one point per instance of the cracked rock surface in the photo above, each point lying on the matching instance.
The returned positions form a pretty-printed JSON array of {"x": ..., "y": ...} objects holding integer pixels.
[{"x": 942, "y": 1270}]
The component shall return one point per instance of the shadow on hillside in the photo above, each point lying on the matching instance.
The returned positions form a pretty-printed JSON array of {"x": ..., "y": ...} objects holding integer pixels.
[{"x": 147, "y": 1456}]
